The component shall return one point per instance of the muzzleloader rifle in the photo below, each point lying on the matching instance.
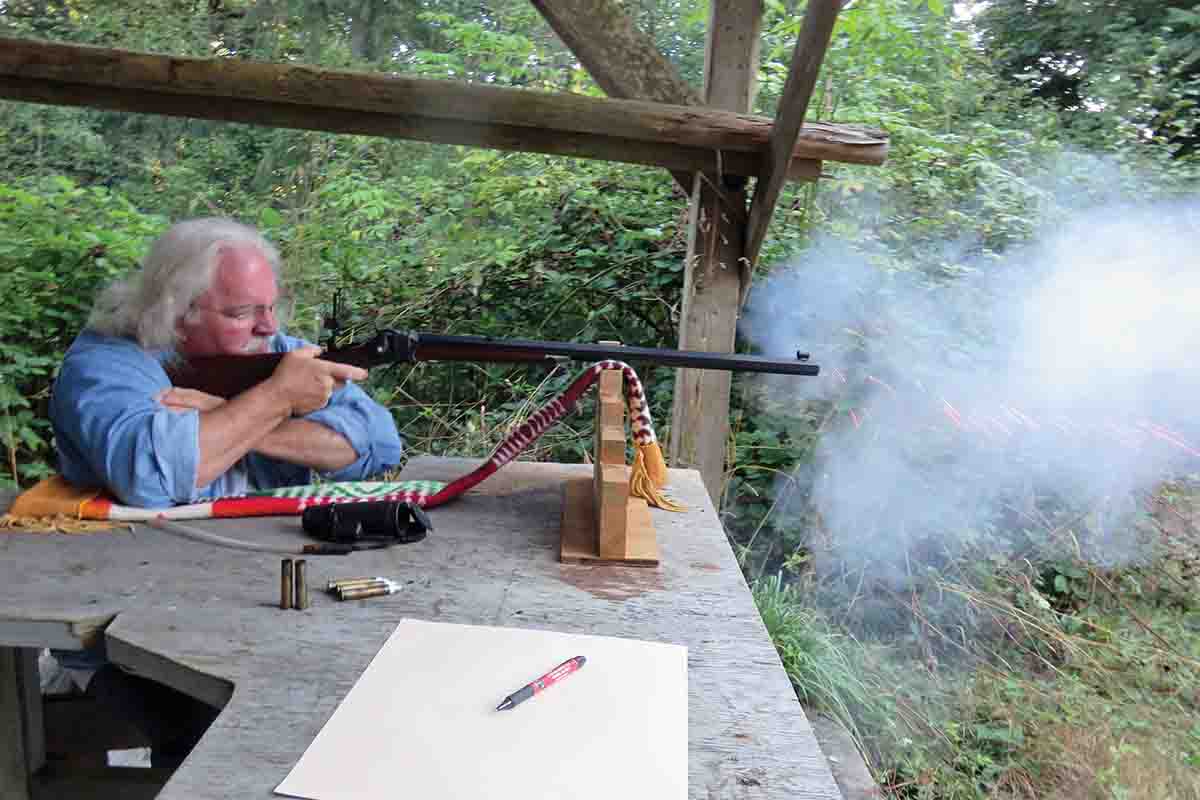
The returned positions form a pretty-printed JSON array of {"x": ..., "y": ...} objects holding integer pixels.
[{"x": 227, "y": 376}]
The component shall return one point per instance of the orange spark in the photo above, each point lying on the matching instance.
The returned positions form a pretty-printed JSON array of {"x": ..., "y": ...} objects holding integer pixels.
[
  {"x": 1021, "y": 417},
  {"x": 1165, "y": 434},
  {"x": 952, "y": 412},
  {"x": 873, "y": 379}
]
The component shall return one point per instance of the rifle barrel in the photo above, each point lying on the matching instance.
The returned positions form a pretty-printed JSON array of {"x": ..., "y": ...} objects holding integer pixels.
[
  {"x": 227, "y": 376},
  {"x": 433, "y": 347}
]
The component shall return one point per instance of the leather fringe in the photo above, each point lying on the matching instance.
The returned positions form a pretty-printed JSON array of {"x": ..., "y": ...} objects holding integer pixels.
[{"x": 647, "y": 464}]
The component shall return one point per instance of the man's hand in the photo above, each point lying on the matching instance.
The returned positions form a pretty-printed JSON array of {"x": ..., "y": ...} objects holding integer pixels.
[
  {"x": 305, "y": 382},
  {"x": 178, "y": 399}
]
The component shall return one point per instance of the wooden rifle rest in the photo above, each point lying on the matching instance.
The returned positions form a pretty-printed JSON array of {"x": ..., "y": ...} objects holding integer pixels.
[{"x": 601, "y": 523}]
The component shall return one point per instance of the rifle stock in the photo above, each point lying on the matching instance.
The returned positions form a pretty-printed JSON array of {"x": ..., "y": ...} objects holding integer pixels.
[
  {"x": 224, "y": 376},
  {"x": 227, "y": 376}
]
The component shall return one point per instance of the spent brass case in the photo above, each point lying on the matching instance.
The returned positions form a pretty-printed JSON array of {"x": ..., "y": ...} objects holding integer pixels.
[
  {"x": 300, "y": 584},
  {"x": 285, "y": 584}
]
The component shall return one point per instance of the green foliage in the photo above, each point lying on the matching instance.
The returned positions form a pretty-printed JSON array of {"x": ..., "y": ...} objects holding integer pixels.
[
  {"x": 59, "y": 243},
  {"x": 1121, "y": 73},
  {"x": 822, "y": 663},
  {"x": 976, "y": 676}
]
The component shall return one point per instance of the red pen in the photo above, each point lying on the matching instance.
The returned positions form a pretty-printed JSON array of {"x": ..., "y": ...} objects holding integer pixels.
[{"x": 549, "y": 679}]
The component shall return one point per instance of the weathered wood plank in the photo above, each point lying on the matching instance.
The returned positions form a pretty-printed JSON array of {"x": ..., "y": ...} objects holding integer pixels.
[
  {"x": 622, "y": 60},
  {"x": 22, "y": 740},
  {"x": 811, "y": 44},
  {"x": 190, "y": 610},
  {"x": 67, "y": 628},
  {"x": 578, "y": 542},
  {"x": 333, "y": 120},
  {"x": 716, "y": 276},
  {"x": 393, "y": 104},
  {"x": 731, "y": 57}
]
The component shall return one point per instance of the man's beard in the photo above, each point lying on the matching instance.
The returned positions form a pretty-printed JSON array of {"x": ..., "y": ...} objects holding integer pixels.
[{"x": 257, "y": 344}]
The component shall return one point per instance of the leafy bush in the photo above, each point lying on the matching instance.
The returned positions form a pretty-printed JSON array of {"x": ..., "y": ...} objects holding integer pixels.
[{"x": 59, "y": 243}]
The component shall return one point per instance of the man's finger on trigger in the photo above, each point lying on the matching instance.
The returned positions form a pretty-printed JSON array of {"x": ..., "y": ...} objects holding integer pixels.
[{"x": 348, "y": 372}]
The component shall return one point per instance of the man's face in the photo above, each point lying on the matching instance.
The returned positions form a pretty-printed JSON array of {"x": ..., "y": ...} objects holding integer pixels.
[{"x": 236, "y": 315}]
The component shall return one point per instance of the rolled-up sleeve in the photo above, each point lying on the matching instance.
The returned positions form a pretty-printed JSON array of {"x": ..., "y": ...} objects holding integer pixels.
[
  {"x": 368, "y": 427},
  {"x": 364, "y": 423},
  {"x": 111, "y": 431}
]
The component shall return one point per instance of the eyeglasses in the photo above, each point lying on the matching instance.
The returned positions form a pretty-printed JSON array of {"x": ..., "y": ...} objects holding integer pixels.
[{"x": 242, "y": 313}]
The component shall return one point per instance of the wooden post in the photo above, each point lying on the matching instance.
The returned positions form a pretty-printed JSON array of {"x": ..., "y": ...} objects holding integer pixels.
[
  {"x": 610, "y": 487},
  {"x": 716, "y": 271},
  {"x": 22, "y": 739},
  {"x": 601, "y": 522}
]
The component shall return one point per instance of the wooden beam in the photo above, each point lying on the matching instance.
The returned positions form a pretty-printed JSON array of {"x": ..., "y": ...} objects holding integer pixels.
[
  {"x": 22, "y": 739},
  {"x": 386, "y": 105},
  {"x": 623, "y": 61},
  {"x": 496, "y": 137},
  {"x": 811, "y": 44},
  {"x": 714, "y": 274}
]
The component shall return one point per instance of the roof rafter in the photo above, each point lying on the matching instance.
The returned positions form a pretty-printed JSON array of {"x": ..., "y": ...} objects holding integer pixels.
[
  {"x": 623, "y": 60},
  {"x": 676, "y": 137},
  {"x": 815, "y": 33}
]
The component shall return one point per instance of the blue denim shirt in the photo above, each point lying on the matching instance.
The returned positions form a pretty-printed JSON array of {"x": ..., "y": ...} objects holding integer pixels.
[{"x": 111, "y": 431}]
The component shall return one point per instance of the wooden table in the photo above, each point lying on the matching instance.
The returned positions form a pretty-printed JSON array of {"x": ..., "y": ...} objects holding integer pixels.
[{"x": 205, "y": 620}]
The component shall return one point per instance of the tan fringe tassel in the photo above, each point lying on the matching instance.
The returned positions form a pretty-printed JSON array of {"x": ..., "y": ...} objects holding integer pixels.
[
  {"x": 642, "y": 482},
  {"x": 656, "y": 465},
  {"x": 60, "y": 523}
]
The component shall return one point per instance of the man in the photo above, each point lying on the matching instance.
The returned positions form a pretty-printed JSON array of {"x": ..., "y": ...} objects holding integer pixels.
[{"x": 208, "y": 287}]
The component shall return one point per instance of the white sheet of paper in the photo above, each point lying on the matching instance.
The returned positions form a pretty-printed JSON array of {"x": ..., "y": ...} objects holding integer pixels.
[{"x": 421, "y": 723}]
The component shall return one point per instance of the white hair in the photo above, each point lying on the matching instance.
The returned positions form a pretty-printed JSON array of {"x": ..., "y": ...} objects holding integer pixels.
[{"x": 148, "y": 304}]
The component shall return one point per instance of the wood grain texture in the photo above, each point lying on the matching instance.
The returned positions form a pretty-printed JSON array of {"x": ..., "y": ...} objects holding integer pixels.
[
  {"x": 205, "y": 620},
  {"x": 734, "y": 37},
  {"x": 219, "y": 88},
  {"x": 610, "y": 487},
  {"x": 610, "y": 499},
  {"x": 336, "y": 120},
  {"x": 716, "y": 274},
  {"x": 622, "y": 59},
  {"x": 578, "y": 538},
  {"x": 811, "y": 44},
  {"x": 22, "y": 741},
  {"x": 610, "y": 419}
]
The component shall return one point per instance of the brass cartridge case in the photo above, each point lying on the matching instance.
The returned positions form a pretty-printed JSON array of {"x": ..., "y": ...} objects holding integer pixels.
[
  {"x": 285, "y": 584},
  {"x": 364, "y": 592},
  {"x": 334, "y": 585},
  {"x": 357, "y": 583},
  {"x": 300, "y": 585}
]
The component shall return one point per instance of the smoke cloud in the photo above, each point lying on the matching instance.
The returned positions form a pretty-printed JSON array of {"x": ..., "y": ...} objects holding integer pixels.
[{"x": 958, "y": 404}]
